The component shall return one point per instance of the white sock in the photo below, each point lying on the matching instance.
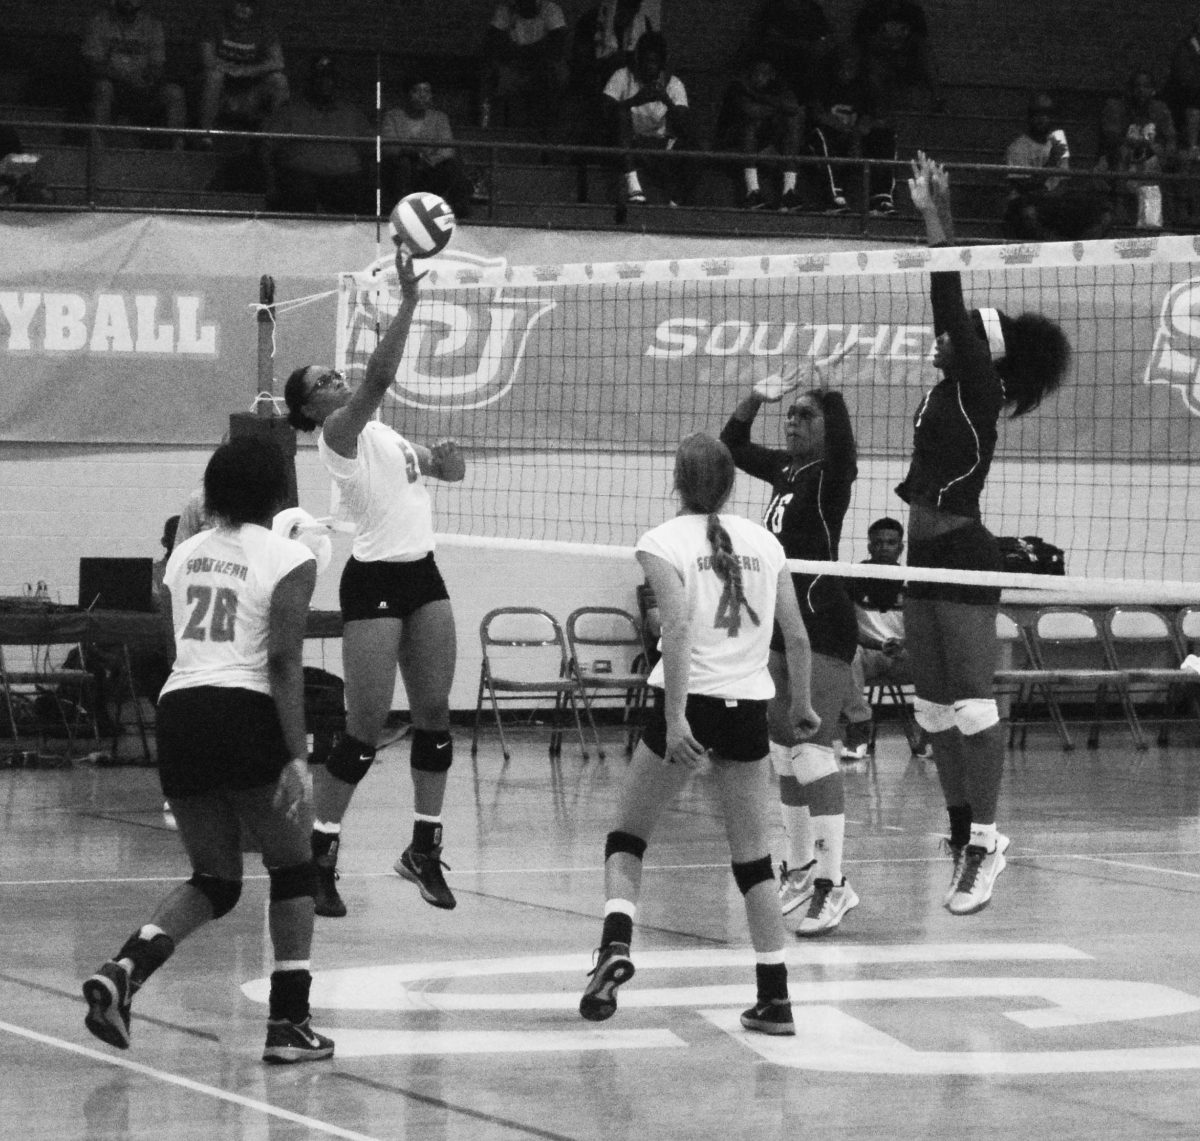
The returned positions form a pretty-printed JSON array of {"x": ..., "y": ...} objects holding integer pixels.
[
  {"x": 750, "y": 174},
  {"x": 631, "y": 182},
  {"x": 829, "y": 833},
  {"x": 624, "y": 906},
  {"x": 983, "y": 836},
  {"x": 789, "y": 180},
  {"x": 149, "y": 930},
  {"x": 798, "y": 826},
  {"x": 330, "y": 829},
  {"x": 292, "y": 964}
]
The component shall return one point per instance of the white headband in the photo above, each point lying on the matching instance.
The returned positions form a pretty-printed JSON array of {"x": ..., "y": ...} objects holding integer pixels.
[{"x": 993, "y": 331}]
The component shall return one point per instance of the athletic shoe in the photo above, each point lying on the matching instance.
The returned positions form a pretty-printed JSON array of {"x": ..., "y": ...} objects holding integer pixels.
[
  {"x": 613, "y": 967},
  {"x": 955, "y": 852},
  {"x": 795, "y": 886},
  {"x": 838, "y": 205},
  {"x": 790, "y": 202},
  {"x": 857, "y": 742},
  {"x": 977, "y": 878},
  {"x": 425, "y": 870},
  {"x": 882, "y": 206},
  {"x": 774, "y": 1017},
  {"x": 289, "y": 1042},
  {"x": 827, "y": 906},
  {"x": 922, "y": 747},
  {"x": 754, "y": 200},
  {"x": 326, "y": 900},
  {"x": 108, "y": 998},
  {"x": 636, "y": 198}
]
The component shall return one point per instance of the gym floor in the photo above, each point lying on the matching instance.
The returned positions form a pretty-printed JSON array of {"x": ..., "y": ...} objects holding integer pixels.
[{"x": 1069, "y": 1008}]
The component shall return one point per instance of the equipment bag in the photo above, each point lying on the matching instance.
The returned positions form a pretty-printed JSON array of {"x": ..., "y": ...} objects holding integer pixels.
[{"x": 1030, "y": 554}]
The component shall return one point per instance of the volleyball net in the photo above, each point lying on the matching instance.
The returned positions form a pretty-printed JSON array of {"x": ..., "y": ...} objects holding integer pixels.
[{"x": 570, "y": 386}]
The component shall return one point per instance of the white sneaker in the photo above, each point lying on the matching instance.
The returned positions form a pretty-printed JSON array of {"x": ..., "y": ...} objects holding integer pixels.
[
  {"x": 977, "y": 877},
  {"x": 827, "y": 906},
  {"x": 795, "y": 886},
  {"x": 955, "y": 851}
]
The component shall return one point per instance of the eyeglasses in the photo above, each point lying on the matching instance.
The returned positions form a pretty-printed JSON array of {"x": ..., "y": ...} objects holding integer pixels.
[{"x": 332, "y": 376}]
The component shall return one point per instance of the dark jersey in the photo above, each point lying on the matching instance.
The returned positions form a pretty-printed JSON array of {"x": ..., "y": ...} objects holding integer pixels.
[
  {"x": 807, "y": 506},
  {"x": 954, "y": 435}
]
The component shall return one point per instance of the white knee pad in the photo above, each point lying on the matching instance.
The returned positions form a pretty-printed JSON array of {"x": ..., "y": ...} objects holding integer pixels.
[
  {"x": 932, "y": 717},
  {"x": 975, "y": 714},
  {"x": 781, "y": 760},
  {"x": 812, "y": 762}
]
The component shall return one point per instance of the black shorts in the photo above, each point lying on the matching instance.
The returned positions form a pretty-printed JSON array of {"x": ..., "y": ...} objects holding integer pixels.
[
  {"x": 215, "y": 738},
  {"x": 389, "y": 590},
  {"x": 734, "y": 731},
  {"x": 972, "y": 547},
  {"x": 828, "y": 614}
]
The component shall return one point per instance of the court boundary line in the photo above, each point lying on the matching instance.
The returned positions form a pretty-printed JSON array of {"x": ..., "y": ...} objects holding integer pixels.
[{"x": 191, "y": 1084}]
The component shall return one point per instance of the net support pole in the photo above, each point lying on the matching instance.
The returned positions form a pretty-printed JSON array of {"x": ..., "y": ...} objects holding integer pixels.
[{"x": 263, "y": 421}]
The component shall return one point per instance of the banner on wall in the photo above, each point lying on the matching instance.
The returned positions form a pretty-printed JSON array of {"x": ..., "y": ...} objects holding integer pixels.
[{"x": 143, "y": 330}]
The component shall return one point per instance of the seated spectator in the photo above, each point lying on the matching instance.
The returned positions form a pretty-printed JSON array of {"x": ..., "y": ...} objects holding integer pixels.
[
  {"x": 426, "y": 162},
  {"x": 795, "y": 36},
  {"x": 1182, "y": 92},
  {"x": 125, "y": 50},
  {"x": 760, "y": 113},
  {"x": 882, "y": 656},
  {"x": 524, "y": 57},
  {"x": 242, "y": 60},
  {"x": 891, "y": 38},
  {"x": 604, "y": 40},
  {"x": 649, "y": 109},
  {"x": 1137, "y": 136},
  {"x": 22, "y": 173},
  {"x": 1049, "y": 207},
  {"x": 307, "y": 176},
  {"x": 845, "y": 123}
]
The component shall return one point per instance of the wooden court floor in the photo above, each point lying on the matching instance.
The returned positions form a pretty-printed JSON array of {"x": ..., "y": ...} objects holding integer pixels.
[{"x": 1070, "y": 1008}]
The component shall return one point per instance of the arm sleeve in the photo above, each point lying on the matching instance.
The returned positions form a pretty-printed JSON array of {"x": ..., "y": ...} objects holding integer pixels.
[
  {"x": 753, "y": 459},
  {"x": 840, "y": 454}
]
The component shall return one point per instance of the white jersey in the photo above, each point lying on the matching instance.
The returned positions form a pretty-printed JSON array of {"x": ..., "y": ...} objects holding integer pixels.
[
  {"x": 382, "y": 493},
  {"x": 729, "y": 652},
  {"x": 221, "y": 582}
]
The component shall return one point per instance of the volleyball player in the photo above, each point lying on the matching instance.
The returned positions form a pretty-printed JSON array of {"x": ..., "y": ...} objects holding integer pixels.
[
  {"x": 395, "y": 607},
  {"x": 720, "y": 582},
  {"x": 232, "y": 753},
  {"x": 989, "y": 362},
  {"x": 811, "y": 478}
]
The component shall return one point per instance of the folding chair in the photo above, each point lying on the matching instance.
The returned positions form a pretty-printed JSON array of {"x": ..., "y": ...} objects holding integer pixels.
[
  {"x": 1067, "y": 640},
  {"x": 526, "y": 660},
  {"x": 1019, "y": 679},
  {"x": 609, "y": 659},
  {"x": 1187, "y": 631},
  {"x": 1140, "y": 642}
]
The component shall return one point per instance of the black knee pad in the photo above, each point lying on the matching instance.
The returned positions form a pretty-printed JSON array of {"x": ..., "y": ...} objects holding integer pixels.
[
  {"x": 432, "y": 750},
  {"x": 624, "y": 842},
  {"x": 222, "y": 894},
  {"x": 293, "y": 882},
  {"x": 752, "y": 873},
  {"x": 350, "y": 759}
]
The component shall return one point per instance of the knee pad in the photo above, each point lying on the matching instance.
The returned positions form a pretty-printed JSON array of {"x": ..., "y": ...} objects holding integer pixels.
[
  {"x": 812, "y": 762},
  {"x": 624, "y": 842},
  {"x": 222, "y": 894},
  {"x": 350, "y": 759},
  {"x": 781, "y": 760},
  {"x": 932, "y": 717},
  {"x": 432, "y": 750},
  {"x": 293, "y": 882},
  {"x": 975, "y": 714},
  {"x": 752, "y": 873}
]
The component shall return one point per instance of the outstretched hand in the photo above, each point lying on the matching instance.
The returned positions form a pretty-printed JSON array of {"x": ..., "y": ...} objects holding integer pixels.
[
  {"x": 771, "y": 389},
  {"x": 406, "y": 271},
  {"x": 930, "y": 184}
]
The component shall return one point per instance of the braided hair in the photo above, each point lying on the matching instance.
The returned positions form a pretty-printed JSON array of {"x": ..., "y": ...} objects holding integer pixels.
[{"x": 704, "y": 473}]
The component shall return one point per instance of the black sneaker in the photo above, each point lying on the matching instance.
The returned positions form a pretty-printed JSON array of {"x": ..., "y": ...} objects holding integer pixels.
[
  {"x": 425, "y": 870},
  {"x": 108, "y": 999},
  {"x": 613, "y": 967},
  {"x": 289, "y": 1042},
  {"x": 882, "y": 206},
  {"x": 326, "y": 900},
  {"x": 790, "y": 203},
  {"x": 774, "y": 1017},
  {"x": 754, "y": 200}
]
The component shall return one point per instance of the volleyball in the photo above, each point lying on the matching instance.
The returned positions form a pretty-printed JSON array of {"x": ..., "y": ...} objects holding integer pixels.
[{"x": 423, "y": 222}]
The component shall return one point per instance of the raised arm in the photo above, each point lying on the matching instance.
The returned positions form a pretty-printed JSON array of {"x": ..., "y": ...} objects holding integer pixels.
[{"x": 755, "y": 459}]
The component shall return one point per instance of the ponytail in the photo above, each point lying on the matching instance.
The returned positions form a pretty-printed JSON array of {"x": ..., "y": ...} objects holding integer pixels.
[{"x": 727, "y": 565}]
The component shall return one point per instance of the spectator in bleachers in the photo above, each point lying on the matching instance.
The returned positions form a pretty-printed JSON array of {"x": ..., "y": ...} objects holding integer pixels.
[
  {"x": 22, "y": 173},
  {"x": 795, "y": 35},
  {"x": 895, "y": 56},
  {"x": 1137, "y": 136},
  {"x": 125, "y": 50},
  {"x": 649, "y": 107},
  {"x": 1049, "y": 207},
  {"x": 306, "y": 176},
  {"x": 604, "y": 40},
  {"x": 760, "y": 113},
  {"x": 525, "y": 58},
  {"x": 416, "y": 150},
  {"x": 243, "y": 66},
  {"x": 845, "y": 123},
  {"x": 1182, "y": 95}
]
